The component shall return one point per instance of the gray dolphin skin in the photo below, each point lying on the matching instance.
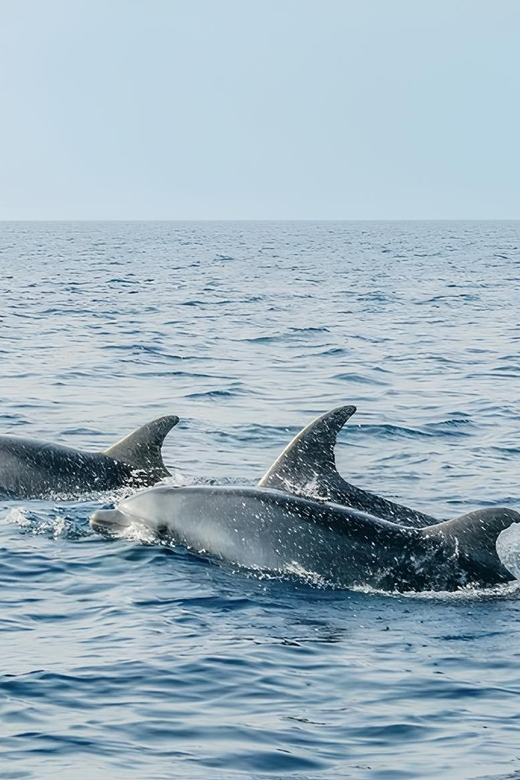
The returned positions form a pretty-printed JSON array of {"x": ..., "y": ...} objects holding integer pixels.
[
  {"x": 270, "y": 530},
  {"x": 30, "y": 468},
  {"x": 307, "y": 467}
]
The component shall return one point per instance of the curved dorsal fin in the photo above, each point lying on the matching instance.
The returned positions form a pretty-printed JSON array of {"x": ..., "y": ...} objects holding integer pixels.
[
  {"x": 307, "y": 466},
  {"x": 142, "y": 448},
  {"x": 309, "y": 457}
]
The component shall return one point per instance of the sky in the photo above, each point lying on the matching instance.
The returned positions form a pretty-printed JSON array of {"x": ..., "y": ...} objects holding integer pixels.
[{"x": 259, "y": 109}]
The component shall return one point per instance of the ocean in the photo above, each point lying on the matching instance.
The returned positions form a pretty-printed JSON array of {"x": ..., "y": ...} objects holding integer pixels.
[{"x": 125, "y": 660}]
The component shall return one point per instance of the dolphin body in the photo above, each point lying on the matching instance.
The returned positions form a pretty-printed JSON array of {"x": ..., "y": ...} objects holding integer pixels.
[
  {"x": 261, "y": 528},
  {"x": 30, "y": 468},
  {"x": 307, "y": 467}
]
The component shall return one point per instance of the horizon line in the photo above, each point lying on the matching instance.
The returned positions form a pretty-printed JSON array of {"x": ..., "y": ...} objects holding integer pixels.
[{"x": 268, "y": 219}]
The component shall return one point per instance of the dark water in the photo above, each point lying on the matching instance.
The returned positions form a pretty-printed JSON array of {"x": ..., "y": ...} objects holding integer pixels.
[{"x": 125, "y": 661}]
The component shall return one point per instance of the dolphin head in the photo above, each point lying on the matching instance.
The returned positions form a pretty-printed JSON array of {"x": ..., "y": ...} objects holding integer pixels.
[
  {"x": 109, "y": 522},
  {"x": 148, "y": 508}
]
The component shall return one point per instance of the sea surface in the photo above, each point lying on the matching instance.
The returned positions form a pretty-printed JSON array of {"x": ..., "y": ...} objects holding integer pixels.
[{"x": 122, "y": 660}]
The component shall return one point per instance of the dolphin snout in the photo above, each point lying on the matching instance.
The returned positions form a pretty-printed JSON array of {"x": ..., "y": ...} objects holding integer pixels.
[{"x": 108, "y": 521}]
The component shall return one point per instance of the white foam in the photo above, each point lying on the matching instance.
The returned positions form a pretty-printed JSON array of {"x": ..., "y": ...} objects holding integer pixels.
[{"x": 18, "y": 517}]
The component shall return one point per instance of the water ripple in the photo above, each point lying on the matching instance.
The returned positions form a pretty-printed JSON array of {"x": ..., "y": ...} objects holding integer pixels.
[{"x": 129, "y": 660}]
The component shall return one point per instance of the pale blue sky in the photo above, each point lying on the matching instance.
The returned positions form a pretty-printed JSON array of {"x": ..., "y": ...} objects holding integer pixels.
[{"x": 259, "y": 109}]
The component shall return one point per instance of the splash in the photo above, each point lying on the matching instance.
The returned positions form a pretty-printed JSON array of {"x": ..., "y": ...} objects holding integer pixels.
[
  {"x": 508, "y": 549},
  {"x": 54, "y": 524}
]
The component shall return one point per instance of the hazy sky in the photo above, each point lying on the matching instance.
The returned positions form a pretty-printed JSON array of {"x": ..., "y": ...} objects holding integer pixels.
[{"x": 259, "y": 109}]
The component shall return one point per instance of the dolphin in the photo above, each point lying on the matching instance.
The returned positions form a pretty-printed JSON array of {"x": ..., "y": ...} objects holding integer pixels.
[
  {"x": 307, "y": 467},
  {"x": 270, "y": 530},
  {"x": 30, "y": 468}
]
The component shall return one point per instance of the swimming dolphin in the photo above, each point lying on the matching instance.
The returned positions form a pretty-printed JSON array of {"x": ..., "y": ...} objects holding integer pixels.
[
  {"x": 266, "y": 529},
  {"x": 307, "y": 467},
  {"x": 30, "y": 468}
]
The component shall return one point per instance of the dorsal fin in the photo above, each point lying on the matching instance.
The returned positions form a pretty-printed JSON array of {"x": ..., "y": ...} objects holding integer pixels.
[
  {"x": 309, "y": 457},
  {"x": 307, "y": 466},
  {"x": 142, "y": 448},
  {"x": 475, "y": 536}
]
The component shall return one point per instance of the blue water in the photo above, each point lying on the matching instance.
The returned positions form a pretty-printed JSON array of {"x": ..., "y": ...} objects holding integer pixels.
[{"x": 125, "y": 661}]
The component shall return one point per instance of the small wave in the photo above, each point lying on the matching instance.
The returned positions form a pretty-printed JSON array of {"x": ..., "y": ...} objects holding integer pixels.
[
  {"x": 263, "y": 339},
  {"x": 451, "y": 427},
  {"x": 171, "y": 373},
  {"x": 211, "y": 302},
  {"x": 310, "y": 329},
  {"x": 450, "y": 299},
  {"x": 215, "y": 394},
  {"x": 80, "y": 432},
  {"x": 147, "y": 349},
  {"x": 334, "y": 351},
  {"x": 392, "y": 431},
  {"x": 377, "y": 296},
  {"x": 13, "y": 419},
  {"x": 504, "y": 450},
  {"x": 359, "y": 379},
  {"x": 259, "y": 434}
]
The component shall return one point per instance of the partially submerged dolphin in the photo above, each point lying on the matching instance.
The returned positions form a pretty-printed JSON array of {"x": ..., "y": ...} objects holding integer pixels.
[
  {"x": 307, "y": 467},
  {"x": 30, "y": 468},
  {"x": 271, "y": 530}
]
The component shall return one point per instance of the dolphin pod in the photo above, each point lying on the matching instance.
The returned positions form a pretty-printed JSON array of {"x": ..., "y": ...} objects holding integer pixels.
[
  {"x": 30, "y": 468},
  {"x": 304, "y": 517}
]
